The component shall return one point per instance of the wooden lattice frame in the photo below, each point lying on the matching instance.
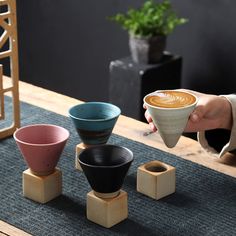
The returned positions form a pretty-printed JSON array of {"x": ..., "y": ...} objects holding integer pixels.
[{"x": 8, "y": 24}]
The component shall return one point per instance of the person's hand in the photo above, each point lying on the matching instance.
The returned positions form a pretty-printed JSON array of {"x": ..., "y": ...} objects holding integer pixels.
[
  {"x": 211, "y": 112},
  {"x": 149, "y": 119}
]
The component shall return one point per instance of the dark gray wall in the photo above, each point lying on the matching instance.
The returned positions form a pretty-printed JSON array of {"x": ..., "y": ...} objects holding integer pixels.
[
  {"x": 67, "y": 45},
  {"x": 207, "y": 44}
]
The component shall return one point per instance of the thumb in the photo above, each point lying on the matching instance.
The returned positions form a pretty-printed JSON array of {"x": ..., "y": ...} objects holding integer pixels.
[{"x": 197, "y": 114}]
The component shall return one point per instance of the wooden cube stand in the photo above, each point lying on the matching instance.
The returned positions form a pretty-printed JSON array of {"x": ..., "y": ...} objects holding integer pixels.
[
  {"x": 107, "y": 211},
  {"x": 156, "y": 179},
  {"x": 42, "y": 188}
]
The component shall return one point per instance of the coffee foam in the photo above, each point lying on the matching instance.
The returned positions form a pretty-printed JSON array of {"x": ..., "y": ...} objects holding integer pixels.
[{"x": 170, "y": 99}]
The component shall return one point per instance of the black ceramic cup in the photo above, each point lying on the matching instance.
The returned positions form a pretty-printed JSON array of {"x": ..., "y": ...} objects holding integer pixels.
[{"x": 105, "y": 167}]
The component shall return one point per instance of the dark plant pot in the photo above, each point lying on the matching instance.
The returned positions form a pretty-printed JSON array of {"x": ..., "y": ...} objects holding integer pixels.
[
  {"x": 147, "y": 50},
  {"x": 105, "y": 167}
]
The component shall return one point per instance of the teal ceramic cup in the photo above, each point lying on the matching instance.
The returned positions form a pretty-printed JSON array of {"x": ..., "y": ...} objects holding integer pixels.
[{"x": 94, "y": 121}]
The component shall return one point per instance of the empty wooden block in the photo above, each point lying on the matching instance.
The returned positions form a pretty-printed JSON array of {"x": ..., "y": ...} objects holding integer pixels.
[
  {"x": 107, "y": 211},
  {"x": 156, "y": 179},
  {"x": 42, "y": 188}
]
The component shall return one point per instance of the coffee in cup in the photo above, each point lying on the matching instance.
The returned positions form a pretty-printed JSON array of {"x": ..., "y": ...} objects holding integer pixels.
[
  {"x": 170, "y": 110},
  {"x": 170, "y": 99}
]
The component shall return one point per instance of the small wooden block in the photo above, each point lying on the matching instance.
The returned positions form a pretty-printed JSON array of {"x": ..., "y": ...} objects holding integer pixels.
[
  {"x": 156, "y": 179},
  {"x": 42, "y": 188},
  {"x": 79, "y": 147},
  {"x": 107, "y": 212}
]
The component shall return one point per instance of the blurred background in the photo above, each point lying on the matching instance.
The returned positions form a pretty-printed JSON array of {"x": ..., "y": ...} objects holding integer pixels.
[{"x": 67, "y": 45}]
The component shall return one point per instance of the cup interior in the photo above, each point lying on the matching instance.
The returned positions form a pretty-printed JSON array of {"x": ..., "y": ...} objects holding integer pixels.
[
  {"x": 155, "y": 167},
  {"x": 105, "y": 167},
  {"x": 41, "y": 134},
  {"x": 94, "y": 111},
  {"x": 105, "y": 156}
]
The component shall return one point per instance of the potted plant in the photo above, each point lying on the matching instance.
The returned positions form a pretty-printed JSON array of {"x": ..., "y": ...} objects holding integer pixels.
[{"x": 148, "y": 28}]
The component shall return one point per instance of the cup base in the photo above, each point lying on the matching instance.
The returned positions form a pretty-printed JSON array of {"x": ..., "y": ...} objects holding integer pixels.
[
  {"x": 107, "y": 195},
  {"x": 86, "y": 145},
  {"x": 91, "y": 145},
  {"x": 42, "y": 173}
]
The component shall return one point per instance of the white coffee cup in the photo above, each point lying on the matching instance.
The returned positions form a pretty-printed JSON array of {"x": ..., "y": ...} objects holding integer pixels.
[{"x": 170, "y": 110}]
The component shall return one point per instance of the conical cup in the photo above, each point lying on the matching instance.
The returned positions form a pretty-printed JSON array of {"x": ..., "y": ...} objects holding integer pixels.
[
  {"x": 41, "y": 146},
  {"x": 94, "y": 121},
  {"x": 170, "y": 122},
  {"x": 105, "y": 167}
]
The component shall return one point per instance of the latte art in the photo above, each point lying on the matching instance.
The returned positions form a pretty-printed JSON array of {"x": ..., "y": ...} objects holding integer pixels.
[{"x": 170, "y": 99}]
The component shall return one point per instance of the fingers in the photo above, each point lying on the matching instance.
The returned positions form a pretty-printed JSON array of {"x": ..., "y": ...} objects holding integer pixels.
[
  {"x": 149, "y": 120},
  {"x": 193, "y": 127},
  {"x": 198, "y": 119},
  {"x": 200, "y": 110},
  {"x": 152, "y": 127},
  {"x": 195, "y": 116},
  {"x": 148, "y": 117}
]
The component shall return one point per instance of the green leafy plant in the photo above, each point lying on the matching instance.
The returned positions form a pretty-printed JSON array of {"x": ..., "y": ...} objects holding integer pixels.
[{"x": 151, "y": 19}]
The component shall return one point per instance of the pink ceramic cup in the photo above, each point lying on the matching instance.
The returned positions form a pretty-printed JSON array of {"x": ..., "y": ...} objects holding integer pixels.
[{"x": 41, "y": 146}]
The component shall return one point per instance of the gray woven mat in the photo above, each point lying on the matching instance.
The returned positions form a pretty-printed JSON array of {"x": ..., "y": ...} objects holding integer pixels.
[{"x": 204, "y": 202}]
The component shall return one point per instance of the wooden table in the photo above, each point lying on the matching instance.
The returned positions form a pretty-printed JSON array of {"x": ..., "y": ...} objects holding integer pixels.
[{"x": 186, "y": 148}]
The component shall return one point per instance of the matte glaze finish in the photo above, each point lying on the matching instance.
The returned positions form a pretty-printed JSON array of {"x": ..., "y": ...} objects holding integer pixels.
[
  {"x": 170, "y": 122},
  {"x": 41, "y": 146},
  {"x": 105, "y": 166},
  {"x": 94, "y": 121}
]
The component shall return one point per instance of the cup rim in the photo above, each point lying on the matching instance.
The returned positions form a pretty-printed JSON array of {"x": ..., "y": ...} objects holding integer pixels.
[
  {"x": 170, "y": 108},
  {"x": 118, "y": 111},
  {"x": 67, "y": 134},
  {"x": 130, "y": 159}
]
